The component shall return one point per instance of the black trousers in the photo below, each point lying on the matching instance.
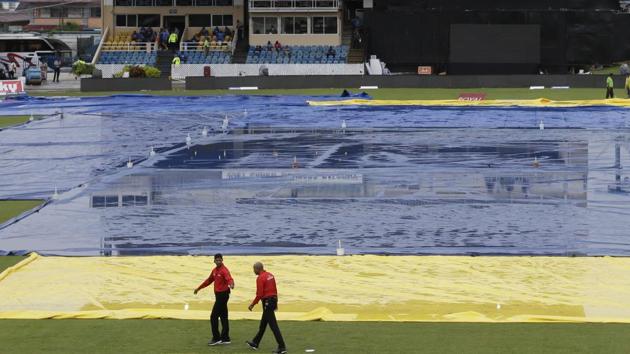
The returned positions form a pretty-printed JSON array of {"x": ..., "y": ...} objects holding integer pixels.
[
  {"x": 56, "y": 75},
  {"x": 610, "y": 93},
  {"x": 220, "y": 311},
  {"x": 269, "y": 317}
]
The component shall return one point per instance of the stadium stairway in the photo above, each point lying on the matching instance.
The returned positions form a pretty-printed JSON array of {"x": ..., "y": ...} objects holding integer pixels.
[
  {"x": 164, "y": 61},
  {"x": 240, "y": 54},
  {"x": 355, "y": 56},
  {"x": 346, "y": 39}
]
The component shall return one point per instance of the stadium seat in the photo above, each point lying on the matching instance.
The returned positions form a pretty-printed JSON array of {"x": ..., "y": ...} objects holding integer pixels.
[{"x": 298, "y": 55}]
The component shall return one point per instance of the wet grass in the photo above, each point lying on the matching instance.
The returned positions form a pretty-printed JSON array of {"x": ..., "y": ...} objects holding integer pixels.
[
  {"x": 9, "y": 261},
  {"x": 8, "y": 121},
  {"x": 176, "y": 336},
  {"x": 13, "y": 208},
  {"x": 385, "y": 94}
]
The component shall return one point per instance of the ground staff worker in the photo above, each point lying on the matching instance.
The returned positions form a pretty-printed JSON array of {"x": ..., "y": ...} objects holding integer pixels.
[
  {"x": 628, "y": 85},
  {"x": 172, "y": 41},
  {"x": 609, "y": 87},
  {"x": 223, "y": 282},
  {"x": 267, "y": 292}
]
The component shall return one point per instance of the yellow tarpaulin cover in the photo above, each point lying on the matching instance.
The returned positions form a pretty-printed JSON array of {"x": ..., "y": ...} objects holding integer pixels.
[
  {"x": 350, "y": 288},
  {"x": 541, "y": 102}
]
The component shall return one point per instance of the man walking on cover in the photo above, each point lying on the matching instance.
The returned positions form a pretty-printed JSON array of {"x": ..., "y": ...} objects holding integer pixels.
[
  {"x": 267, "y": 292},
  {"x": 223, "y": 282}
]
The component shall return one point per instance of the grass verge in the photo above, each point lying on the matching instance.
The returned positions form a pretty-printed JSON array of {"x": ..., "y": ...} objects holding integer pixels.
[
  {"x": 385, "y": 94},
  {"x": 8, "y": 121},
  {"x": 13, "y": 208},
  {"x": 9, "y": 261},
  {"x": 176, "y": 336}
]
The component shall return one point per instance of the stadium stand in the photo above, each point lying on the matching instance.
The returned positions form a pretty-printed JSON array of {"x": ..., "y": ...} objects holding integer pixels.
[
  {"x": 298, "y": 55},
  {"x": 199, "y": 57},
  {"x": 127, "y": 57},
  {"x": 122, "y": 49}
]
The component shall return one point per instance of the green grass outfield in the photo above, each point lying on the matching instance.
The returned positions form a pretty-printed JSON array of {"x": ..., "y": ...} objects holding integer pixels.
[
  {"x": 8, "y": 261},
  {"x": 7, "y": 121},
  {"x": 13, "y": 208},
  {"x": 389, "y": 94},
  {"x": 178, "y": 336}
]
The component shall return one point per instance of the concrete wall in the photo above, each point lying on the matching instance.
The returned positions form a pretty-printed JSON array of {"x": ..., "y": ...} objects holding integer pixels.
[{"x": 234, "y": 70}]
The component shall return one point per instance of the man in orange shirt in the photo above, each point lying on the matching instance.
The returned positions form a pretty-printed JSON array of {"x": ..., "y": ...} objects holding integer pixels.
[
  {"x": 267, "y": 292},
  {"x": 223, "y": 282}
]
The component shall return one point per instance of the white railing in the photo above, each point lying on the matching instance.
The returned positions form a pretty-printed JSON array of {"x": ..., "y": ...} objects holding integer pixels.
[
  {"x": 129, "y": 47},
  {"x": 293, "y": 4},
  {"x": 234, "y": 40},
  {"x": 97, "y": 54},
  {"x": 218, "y": 47}
]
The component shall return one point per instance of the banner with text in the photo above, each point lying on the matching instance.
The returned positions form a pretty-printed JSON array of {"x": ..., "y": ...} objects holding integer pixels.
[{"x": 11, "y": 87}]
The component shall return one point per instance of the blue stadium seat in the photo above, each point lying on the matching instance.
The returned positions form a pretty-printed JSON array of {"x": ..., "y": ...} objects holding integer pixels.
[
  {"x": 298, "y": 55},
  {"x": 124, "y": 57}
]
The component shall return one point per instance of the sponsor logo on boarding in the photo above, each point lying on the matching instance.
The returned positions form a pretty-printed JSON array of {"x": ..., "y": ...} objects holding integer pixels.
[
  {"x": 11, "y": 87},
  {"x": 472, "y": 96}
]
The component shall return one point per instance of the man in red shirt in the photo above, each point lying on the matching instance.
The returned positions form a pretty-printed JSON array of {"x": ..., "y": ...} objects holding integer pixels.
[
  {"x": 267, "y": 292},
  {"x": 223, "y": 282}
]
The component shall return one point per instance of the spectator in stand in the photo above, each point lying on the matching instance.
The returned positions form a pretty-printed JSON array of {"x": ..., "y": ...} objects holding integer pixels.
[
  {"x": 204, "y": 32},
  {"x": 206, "y": 46},
  {"x": 135, "y": 37},
  {"x": 150, "y": 35},
  {"x": 269, "y": 46},
  {"x": 220, "y": 36},
  {"x": 258, "y": 49},
  {"x": 356, "y": 38},
  {"x": 164, "y": 38},
  {"x": 229, "y": 35},
  {"x": 216, "y": 30},
  {"x": 287, "y": 51},
  {"x": 331, "y": 52},
  {"x": 172, "y": 41},
  {"x": 277, "y": 46}
]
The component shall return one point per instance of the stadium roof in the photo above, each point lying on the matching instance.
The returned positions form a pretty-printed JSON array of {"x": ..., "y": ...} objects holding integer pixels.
[
  {"x": 13, "y": 17},
  {"x": 60, "y": 2}
]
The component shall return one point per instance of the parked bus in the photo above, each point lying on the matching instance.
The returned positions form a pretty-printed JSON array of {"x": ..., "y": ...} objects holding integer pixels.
[{"x": 29, "y": 49}]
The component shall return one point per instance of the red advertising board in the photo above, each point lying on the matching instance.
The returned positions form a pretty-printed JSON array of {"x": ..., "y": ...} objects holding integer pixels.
[
  {"x": 472, "y": 96},
  {"x": 425, "y": 70},
  {"x": 11, "y": 87}
]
